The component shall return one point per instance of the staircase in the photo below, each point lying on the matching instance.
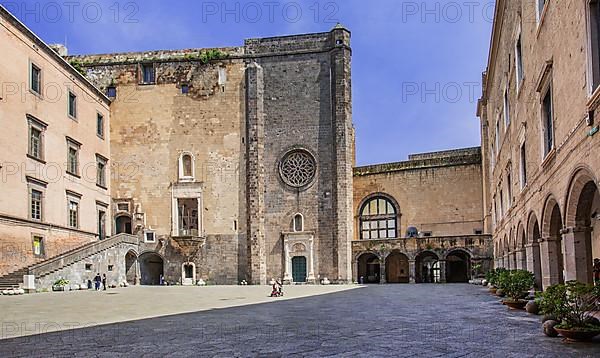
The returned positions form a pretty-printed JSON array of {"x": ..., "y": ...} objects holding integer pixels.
[{"x": 60, "y": 261}]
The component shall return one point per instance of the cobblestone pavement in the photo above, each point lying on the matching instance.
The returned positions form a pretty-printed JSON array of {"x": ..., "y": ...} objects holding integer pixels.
[{"x": 378, "y": 320}]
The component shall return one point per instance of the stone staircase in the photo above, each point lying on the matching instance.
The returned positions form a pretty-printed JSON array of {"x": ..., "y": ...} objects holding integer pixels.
[{"x": 45, "y": 267}]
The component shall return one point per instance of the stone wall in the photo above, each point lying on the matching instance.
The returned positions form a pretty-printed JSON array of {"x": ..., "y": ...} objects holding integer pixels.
[{"x": 438, "y": 193}]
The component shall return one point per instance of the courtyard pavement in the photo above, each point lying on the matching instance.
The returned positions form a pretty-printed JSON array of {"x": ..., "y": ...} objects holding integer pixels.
[{"x": 347, "y": 321}]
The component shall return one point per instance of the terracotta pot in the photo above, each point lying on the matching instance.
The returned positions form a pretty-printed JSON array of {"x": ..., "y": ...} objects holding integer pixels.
[
  {"x": 493, "y": 290},
  {"x": 576, "y": 335},
  {"x": 515, "y": 305}
]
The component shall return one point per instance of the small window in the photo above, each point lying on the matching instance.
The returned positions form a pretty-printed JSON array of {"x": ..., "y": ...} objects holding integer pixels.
[
  {"x": 594, "y": 44},
  {"x": 149, "y": 236},
  {"x": 506, "y": 109},
  {"x": 187, "y": 165},
  {"x": 36, "y": 79},
  {"x": 88, "y": 267},
  {"x": 38, "y": 246},
  {"x": 110, "y": 267},
  {"x": 548, "y": 121},
  {"x": 35, "y": 142},
  {"x": 72, "y": 105},
  {"x": 478, "y": 232},
  {"x": 426, "y": 233},
  {"x": 497, "y": 139},
  {"x": 185, "y": 89},
  {"x": 509, "y": 189},
  {"x": 523, "y": 161},
  {"x": 73, "y": 208},
  {"x": 148, "y": 73},
  {"x": 501, "y": 198},
  {"x": 100, "y": 125},
  {"x": 519, "y": 62},
  {"x": 111, "y": 92},
  {"x": 37, "y": 197},
  {"x": 101, "y": 171},
  {"x": 73, "y": 157},
  {"x": 298, "y": 223}
]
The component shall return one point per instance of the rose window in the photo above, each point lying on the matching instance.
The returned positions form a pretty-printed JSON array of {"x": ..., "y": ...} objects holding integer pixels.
[{"x": 297, "y": 168}]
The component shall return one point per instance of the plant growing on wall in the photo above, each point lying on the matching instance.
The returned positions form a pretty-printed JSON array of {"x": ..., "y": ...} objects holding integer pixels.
[
  {"x": 61, "y": 282},
  {"x": 77, "y": 66}
]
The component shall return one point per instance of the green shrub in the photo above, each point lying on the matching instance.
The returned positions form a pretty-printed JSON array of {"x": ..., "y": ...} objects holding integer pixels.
[
  {"x": 61, "y": 282},
  {"x": 571, "y": 303},
  {"x": 516, "y": 282}
]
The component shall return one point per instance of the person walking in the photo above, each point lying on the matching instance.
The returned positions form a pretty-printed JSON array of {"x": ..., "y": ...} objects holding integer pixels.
[
  {"x": 104, "y": 281},
  {"x": 97, "y": 281}
]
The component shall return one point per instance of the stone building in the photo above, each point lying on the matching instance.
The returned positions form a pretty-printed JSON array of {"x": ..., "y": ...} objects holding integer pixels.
[
  {"x": 421, "y": 220},
  {"x": 223, "y": 165},
  {"x": 539, "y": 138},
  {"x": 233, "y": 163},
  {"x": 55, "y": 145}
]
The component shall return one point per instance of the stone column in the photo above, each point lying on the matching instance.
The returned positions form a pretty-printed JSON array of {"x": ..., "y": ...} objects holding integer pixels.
[
  {"x": 382, "y": 278},
  {"x": 311, "y": 270},
  {"x": 549, "y": 249},
  {"x": 341, "y": 104},
  {"x": 412, "y": 274},
  {"x": 511, "y": 261},
  {"x": 287, "y": 276},
  {"x": 578, "y": 254},
  {"x": 255, "y": 201},
  {"x": 442, "y": 271},
  {"x": 521, "y": 259}
]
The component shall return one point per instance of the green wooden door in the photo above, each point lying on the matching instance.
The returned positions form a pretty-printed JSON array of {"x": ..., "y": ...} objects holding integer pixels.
[{"x": 299, "y": 269}]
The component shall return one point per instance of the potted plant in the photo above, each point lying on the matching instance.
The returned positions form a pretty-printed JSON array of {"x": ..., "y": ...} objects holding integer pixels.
[
  {"x": 60, "y": 285},
  {"x": 570, "y": 304},
  {"x": 516, "y": 285},
  {"x": 492, "y": 279},
  {"x": 501, "y": 281}
]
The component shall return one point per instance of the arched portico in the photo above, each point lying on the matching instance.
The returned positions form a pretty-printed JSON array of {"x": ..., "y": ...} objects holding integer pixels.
[
  {"x": 369, "y": 270},
  {"x": 458, "y": 266},
  {"x": 151, "y": 268},
  {"x": 551, "y": 244},
  {"x": 581, "y": 235},
  {"x": 427, "y": 265},
  {"x": 397, "y": 268},
  {"x": 132, "y": 269}
]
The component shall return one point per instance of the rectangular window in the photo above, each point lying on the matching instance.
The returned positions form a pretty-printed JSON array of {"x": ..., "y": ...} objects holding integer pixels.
[
  {"x": 101, "y": 171},
  {"x": 188, "y": 217},
  {"x": 35, "y": 142},
  {"x": 72, "y": 105},
  {"x": 519, "y": 62},
  {"x": 88, "y": 267},
  {"x": 149, "y": 237},
  {"x": 100, "y": 125},
  {"x": 506, "y": 109},
  {"x": 73, "y": 157},
  {"x": 509, "y": 190},
  {"x": 38, "y": 245},
  {"x": 36, "y": 79},
  {"x": 548, "y": 122},
  {"x": 73, "y": 208},
  {"x": 594, "y": 43},
  {"x": 523, "y": 161},
  {"x": 501, "y": 204},
  {"x": 185, "y": 89},
  {"x": 148, "y": 73},
  {"x": 101, "y": 224},
  {"x": 497, "y": 137},
  {"x": 36, "y": 204},
  {"x": 111, "y": 92},
  {"x": 541, "y": 5}
]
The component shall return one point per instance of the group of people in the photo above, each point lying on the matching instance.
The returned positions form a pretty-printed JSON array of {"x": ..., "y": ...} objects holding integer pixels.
[{"x": 99, "y": 281}]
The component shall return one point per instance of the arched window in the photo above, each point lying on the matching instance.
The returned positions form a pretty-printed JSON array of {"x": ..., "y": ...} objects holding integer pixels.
[
  {"x": 186, "y": 167},
  {"x": 298, "y": 223},
  {"x": 378, "y": 219}
]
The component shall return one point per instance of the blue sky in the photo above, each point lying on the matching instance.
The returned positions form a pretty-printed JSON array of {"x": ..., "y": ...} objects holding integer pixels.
[{"x": 416, "y": 64}]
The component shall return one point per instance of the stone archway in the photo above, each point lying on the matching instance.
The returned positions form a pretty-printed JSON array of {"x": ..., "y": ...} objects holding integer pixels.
[
  {"x": 551, "y": 247},
  {"x": 369, "y": 268},
  {"x": 581, "y": 236},
  {"x": 123, "y": 224},
  {"x": 458, "y": 266},
  {"x": 427, "y": 267},
  {"x": 534, "y": 259},
  {"x": 397, "y": 268},
  {"x": 131, "y": 268},
  {"x": 151, "y": 268},
  {"x": 188, "y": 274}
]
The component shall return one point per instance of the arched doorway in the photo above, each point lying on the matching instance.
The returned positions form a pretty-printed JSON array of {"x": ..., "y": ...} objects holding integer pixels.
[
  {"x": 188, "y": 274},
  {"x": 582, "y": 238},
  {"x": 551, "y": 246},
  {"x": 458, "y": 266},
  {"x": 428, "y": 268},
  {"x": 299, "y": 269},
  {"x": 396, "y": 268},
  {"x": 131, "y": 269},
  {"x": 123, "y": 224},
  {"x": 151, "y": 268},
  {"x": 368, "y": 268}
]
